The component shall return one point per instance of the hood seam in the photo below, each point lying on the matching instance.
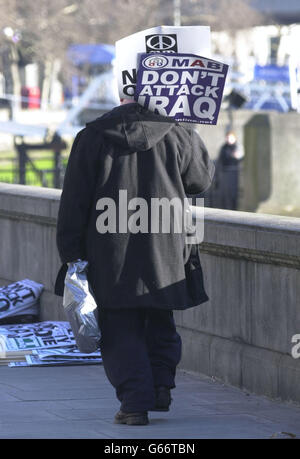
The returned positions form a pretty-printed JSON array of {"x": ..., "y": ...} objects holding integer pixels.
[
  {"x": 124, "y": 130},
  {"x": 144, "y": 131}
]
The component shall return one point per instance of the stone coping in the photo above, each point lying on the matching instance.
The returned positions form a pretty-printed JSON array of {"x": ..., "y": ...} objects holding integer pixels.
[{"x": 259, "y": 237}]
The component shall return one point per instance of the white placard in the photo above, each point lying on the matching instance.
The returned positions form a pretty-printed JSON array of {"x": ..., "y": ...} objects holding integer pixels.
[
  {"x": 20, "y": 298},
  {"x": 171, "y": 39},
  {"x": 37, "y": 335}
]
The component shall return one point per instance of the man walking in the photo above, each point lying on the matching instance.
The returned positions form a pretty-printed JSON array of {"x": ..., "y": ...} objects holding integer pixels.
[{"x": 138, "y": 275}]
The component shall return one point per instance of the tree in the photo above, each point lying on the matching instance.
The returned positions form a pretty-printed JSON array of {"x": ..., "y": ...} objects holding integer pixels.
[
  {"x": 226, "y": 15},
  {"x": 47, "y": 28}
]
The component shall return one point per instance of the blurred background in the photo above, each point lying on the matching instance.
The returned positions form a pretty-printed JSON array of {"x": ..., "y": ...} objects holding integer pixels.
[{"x": 56, "y": 73}]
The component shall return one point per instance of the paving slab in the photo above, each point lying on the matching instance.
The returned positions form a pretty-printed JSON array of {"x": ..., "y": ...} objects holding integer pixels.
[{"x": 79, "y": 402}]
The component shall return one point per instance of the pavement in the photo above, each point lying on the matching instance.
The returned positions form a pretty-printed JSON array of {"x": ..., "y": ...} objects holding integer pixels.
[{"x": 78, "y": 402}]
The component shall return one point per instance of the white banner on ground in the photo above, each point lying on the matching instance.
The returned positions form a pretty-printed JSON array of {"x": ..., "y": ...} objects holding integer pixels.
[
  {"x": 34, "y": 360},
  {"x": 42, "y": 343},
  {"x": 35, "y": 336},
  {"x": 66, "y": 353},
  {"x": 20, "y": 298},
  {"x": 171, "y": 39}
]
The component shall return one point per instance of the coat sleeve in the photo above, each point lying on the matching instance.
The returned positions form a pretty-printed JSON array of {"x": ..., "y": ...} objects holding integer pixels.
[
  {"x": 197, "y": 167},
  {"x": 77, "y": 196}
]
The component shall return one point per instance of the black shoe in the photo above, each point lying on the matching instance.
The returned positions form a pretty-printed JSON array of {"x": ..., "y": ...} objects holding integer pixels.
[
  {"x": 162, "y": 398},
  {"x": 132, "y": 419}
]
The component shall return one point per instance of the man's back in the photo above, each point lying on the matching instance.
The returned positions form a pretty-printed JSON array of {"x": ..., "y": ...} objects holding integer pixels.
[{"x": 123, "y": 167}]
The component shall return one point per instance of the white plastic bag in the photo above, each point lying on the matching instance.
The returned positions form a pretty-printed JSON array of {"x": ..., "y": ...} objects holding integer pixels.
[{"x": 80, "y": 307}]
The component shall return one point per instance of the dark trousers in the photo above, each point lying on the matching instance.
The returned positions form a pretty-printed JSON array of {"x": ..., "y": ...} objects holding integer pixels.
[
  {"x": 230, "y": 188},
  {"x": 140, "y": 349}
]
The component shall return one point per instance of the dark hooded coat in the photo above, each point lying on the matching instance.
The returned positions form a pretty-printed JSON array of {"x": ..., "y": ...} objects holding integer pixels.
[{"x": 132, "y": 149}]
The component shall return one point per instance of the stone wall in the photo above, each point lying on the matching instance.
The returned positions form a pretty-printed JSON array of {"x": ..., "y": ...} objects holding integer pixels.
[
  {"x": 269, "y": 178},
  {"x": 251, "y": 265},
  {"x": 243, "y": 334}
]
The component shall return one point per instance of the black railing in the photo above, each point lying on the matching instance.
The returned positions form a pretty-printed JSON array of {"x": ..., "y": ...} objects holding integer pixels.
[{"x": 24, "y": 168}]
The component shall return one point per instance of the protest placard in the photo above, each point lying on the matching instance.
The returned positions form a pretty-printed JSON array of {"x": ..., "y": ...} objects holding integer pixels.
[
  {"x": 186, "y": 87},
  {"x": 62, "y": 356},
  {"x": 36, "y": 361},
  {"x": 19, "y": 300},
  {"x": 170, "y": 39},
  {"x": 37, "y": 335},
  {"x": 64, "y": 353},
  {"x": 42, "y": 343}
]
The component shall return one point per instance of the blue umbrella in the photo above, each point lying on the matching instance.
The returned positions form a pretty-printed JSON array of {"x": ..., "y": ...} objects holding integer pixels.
[{"x": 92, "y": 54}]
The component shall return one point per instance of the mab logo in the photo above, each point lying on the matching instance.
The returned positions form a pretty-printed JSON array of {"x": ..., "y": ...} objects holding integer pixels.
[
  {"x": 160, "y": 42},
  {"x": 155, "y": 62}
]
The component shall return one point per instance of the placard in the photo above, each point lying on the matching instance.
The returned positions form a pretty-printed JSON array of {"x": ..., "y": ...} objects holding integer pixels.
[
  {"x": 186, "y": 87},
  {"x": 170, "y": 39}
]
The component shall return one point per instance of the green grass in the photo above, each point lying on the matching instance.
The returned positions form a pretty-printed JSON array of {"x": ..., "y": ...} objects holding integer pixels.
[
  {"x": 42, "y": 160},
  {"x": 11, "y": 154}
]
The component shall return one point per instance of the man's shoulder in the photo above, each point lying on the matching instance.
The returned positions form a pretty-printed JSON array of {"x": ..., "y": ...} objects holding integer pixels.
[
  {"x": 182, "y": 132},
  {"x": 109, "y": 116}
]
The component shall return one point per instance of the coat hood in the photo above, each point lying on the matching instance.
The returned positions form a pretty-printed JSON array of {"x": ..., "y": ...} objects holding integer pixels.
[{"x": 133, "y": 127}]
